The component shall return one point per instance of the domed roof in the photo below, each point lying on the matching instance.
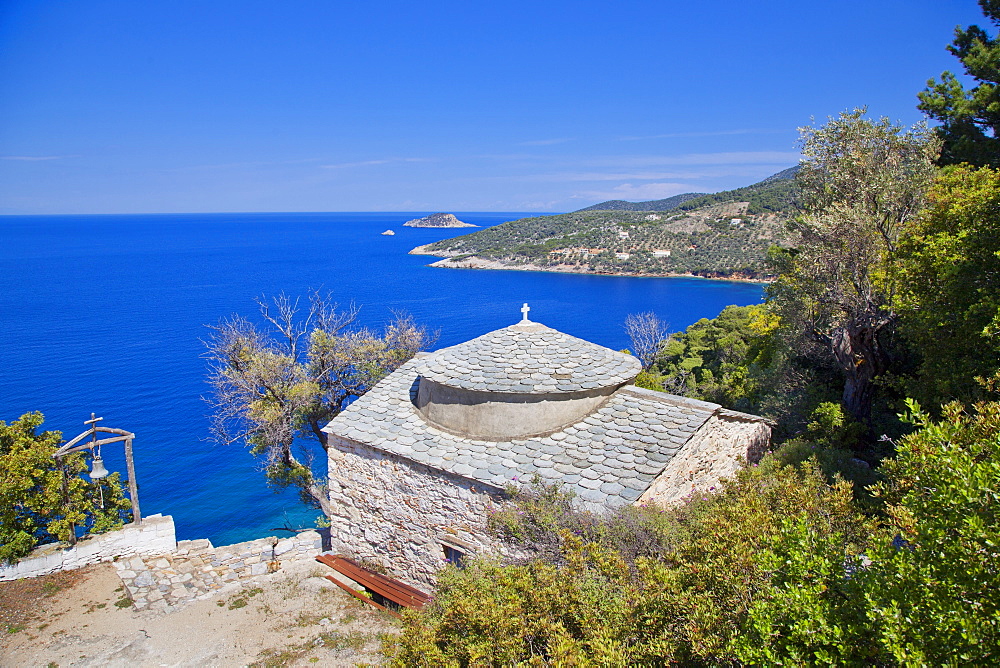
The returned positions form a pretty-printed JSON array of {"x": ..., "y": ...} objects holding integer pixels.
[{"x": 529, "y": 358}]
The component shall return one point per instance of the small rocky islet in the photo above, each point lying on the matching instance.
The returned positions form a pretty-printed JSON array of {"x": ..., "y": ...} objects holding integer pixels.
[{"x": 437, "y": 220}]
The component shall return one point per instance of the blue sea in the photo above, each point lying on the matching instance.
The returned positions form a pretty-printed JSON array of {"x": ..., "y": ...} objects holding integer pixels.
[{"x": 108, "y": 314}]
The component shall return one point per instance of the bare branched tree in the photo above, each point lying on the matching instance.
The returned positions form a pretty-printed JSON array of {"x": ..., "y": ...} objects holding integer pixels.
[
  {"x": 648, "y": 335},
  {"x": 275, "y": 387}
]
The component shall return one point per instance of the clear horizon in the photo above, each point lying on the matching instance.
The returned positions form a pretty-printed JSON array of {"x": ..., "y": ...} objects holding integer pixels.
[{"x": 112, "y": 107}]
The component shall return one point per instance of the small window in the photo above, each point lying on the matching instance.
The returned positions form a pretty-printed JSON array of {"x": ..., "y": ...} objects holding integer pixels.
[{"x": 454, "y": 556}]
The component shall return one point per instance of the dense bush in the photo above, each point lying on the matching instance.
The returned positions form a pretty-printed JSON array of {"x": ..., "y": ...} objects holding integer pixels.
[
  {"x": 731, "y": 359},
  {"x": 933, "y": 590},
  {"x": 759, "y": 570},
  {"x": 781, "y": 567},
  {"x": 951, "y": 295}
]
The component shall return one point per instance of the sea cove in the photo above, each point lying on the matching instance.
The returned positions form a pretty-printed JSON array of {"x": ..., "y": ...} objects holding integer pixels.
[{"x": 108, "y": 314}]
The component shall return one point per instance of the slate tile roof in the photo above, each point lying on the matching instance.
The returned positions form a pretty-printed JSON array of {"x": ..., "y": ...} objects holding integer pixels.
[
  {"x": 609, "y": 458},
  {"x": 529, "y": 358}
]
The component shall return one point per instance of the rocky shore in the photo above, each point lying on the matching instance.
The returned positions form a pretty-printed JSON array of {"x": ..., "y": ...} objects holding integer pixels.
[{"x": 475, "y": 262}]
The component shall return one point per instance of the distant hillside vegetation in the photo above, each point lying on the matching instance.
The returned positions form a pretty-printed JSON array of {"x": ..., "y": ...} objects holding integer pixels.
[
  {"x": 763, "y": 196},
  {"x": 652, "y": 205},
  {"x": 777, "y": 193},
  {"x": 720, "y": 235}
]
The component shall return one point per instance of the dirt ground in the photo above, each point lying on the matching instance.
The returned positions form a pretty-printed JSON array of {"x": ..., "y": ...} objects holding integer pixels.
[{"x": 290, "y": 618}]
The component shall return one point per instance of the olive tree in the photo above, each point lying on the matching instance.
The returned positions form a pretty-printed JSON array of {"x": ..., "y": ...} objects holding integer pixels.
[
  {"x": 275, "y": 385},
  {"x": 862, "y": 181}
]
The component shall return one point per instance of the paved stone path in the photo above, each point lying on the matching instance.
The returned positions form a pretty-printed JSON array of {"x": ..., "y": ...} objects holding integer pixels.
[{"x": 198, "y": 570}]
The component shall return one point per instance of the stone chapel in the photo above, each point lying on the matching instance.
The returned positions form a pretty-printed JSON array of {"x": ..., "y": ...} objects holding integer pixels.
[{"x": 417, "y": 463}]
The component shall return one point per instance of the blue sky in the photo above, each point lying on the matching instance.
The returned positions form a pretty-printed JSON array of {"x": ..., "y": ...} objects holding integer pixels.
[{"x": 340, "y": 105}]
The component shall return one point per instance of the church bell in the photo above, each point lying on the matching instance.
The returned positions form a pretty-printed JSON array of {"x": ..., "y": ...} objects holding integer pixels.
[{"x": 97, "y": 470}]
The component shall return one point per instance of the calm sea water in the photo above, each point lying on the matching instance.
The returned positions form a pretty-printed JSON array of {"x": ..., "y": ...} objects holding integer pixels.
[{"x": 108, "y": 313}]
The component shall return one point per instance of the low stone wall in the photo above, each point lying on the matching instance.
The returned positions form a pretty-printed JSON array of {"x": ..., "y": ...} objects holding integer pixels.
[
  {"x": 196, "y": 569},
  {"x": 401, "y": 515},
  {"x": 725, "y": 443},
  {"x": 154, "y": 536}
]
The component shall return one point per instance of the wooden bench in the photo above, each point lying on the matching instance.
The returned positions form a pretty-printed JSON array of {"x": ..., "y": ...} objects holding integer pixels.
[{"x": 389, "y": 589}]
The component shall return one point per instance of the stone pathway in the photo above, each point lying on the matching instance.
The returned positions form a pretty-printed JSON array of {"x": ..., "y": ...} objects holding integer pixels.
[{"x": 197, "y": 570}]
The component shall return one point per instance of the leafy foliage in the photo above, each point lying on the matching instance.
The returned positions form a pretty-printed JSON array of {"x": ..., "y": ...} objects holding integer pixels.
[
  {"x": 970, "y": 119},
  {"x": 862, "y": 181},
  {"x": 734, "y": 359},
  {"x": 951, "y": 293},
  {"x": 532, "y": 614},
  {"x": 724, "y": 579},
  {"x": 33, "y": 508},
  {"x": 543, "y": 514},
  {"x": 831, "y": 439},
  {"x": 933, "y": 589}
]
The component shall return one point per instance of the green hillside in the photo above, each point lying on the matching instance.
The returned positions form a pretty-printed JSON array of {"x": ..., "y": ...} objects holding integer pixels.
[
  {"x": 652, "y": 205},
  {"x": 767, "y": 195},
  {"x": 725, "y": 234},
  {"x": 775, "y": 194}
]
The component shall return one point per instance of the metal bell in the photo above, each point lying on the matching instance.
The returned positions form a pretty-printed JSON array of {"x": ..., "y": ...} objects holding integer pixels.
[{"x": 97, "y": 470}]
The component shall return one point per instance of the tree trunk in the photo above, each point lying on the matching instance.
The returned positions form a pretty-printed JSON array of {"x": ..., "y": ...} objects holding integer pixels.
[
  {"x": 861, "y": 357},
  {"x": 309, "y": 488},
  {"x": 321, "y": 494},
  {"x": 859, "y": 394},
  {"x": 320, "y": 435}
]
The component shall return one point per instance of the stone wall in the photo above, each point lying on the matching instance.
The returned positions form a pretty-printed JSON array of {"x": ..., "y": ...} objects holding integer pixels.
[
  {"x": 726, "y": 442},
  {"x": 154, "y": 536},
  {"x": 196, "y": 570},
  {"x": 399, "y": 514}
]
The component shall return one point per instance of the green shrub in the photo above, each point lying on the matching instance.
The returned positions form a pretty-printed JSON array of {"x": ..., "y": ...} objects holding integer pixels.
[
  {"x": 780, "y": 567},
  {"x": 933, "y": 590},
  {"x": 729, "y": 576},
  {"x": 829, "y": 441}
]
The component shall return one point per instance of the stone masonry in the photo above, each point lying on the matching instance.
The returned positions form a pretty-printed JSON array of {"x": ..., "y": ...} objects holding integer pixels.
[
  {"x": 610, "y": 457},
  {"x": 400, "y": 514},
  {"x": 197, "y": 570},
  {"x": 714, "y": 453}
]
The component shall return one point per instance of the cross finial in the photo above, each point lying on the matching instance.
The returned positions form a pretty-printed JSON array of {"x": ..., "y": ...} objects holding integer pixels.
[
  {"x": 524, "y": 311},
  {"x": 93, "y": 419}
]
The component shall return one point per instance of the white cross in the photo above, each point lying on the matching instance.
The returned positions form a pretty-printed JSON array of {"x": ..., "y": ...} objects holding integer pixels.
[{"x": 524, "y": 310}]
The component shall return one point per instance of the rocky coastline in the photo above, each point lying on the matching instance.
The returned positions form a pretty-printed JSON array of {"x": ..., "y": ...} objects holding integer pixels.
[{"x": 454, "y": 261}]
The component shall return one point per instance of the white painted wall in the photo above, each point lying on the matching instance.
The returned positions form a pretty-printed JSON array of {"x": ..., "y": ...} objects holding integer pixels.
[{"x": 155, "y": 535}]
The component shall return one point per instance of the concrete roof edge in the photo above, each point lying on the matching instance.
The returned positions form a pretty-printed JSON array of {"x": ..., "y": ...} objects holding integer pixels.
[
  {"x": 672, "y": 399},
  {"x": 748, "y": 417}
]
